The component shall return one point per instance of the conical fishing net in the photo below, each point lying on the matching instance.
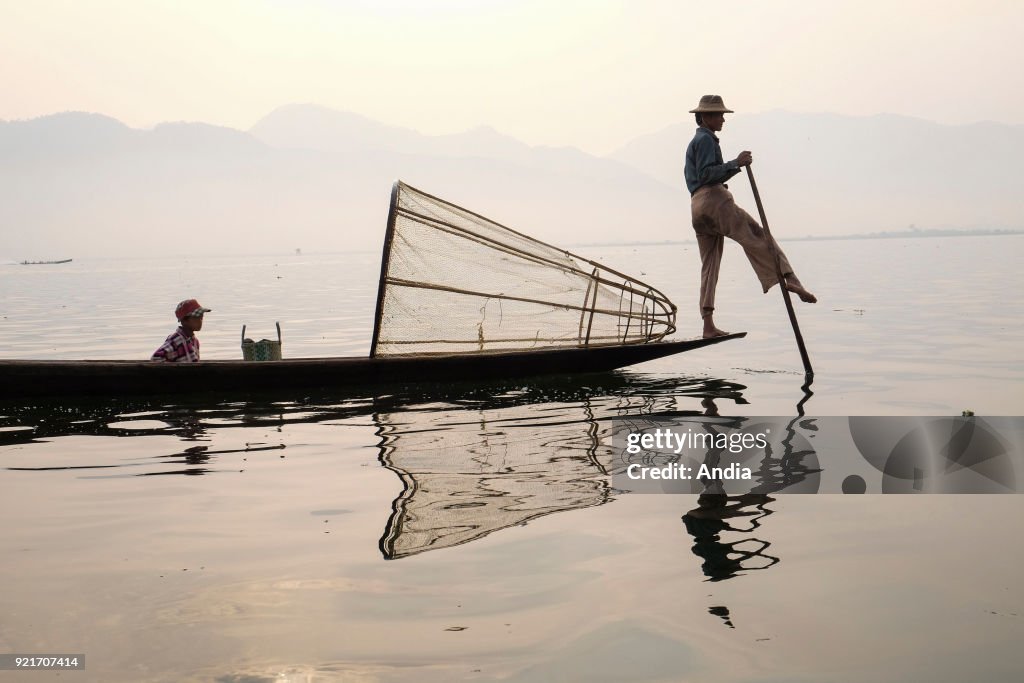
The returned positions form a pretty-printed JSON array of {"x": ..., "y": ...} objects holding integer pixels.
[{"x": 453, "y": 281}]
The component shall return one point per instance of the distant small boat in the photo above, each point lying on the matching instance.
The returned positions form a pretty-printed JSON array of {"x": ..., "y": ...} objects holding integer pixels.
[{"x": 44, "y": 263}]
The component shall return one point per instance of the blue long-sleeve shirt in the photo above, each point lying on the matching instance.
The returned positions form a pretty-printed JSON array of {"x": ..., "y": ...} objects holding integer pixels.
[{"x": 704, "y": 165}]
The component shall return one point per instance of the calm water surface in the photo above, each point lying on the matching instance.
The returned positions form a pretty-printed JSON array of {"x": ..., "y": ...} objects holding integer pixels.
[{"x": 468, "y": 532}]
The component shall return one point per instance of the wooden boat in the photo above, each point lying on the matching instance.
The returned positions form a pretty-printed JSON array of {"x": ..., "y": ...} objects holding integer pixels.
[
  {"x": 44, "y": 263},
  {"x": 120, "y": 377},
  {"x": 460, "y": 298}
]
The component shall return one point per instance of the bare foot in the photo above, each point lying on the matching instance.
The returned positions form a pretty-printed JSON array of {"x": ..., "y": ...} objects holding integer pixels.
[
  {"x": 710, "y": 331},
  {"x": 799, "y": 290}
]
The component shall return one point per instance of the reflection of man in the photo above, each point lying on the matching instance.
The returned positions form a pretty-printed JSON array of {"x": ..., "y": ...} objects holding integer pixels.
[
  {"x": 716, "y": 216},
  {"x": 706, "y": 523}
]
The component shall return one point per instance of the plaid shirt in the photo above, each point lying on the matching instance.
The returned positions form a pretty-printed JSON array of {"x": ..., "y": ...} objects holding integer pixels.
[{"x": 178, "y": 348}]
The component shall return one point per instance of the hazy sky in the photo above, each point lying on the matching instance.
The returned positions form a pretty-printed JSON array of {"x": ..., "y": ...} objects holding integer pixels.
[{"x": 590, "y": 74}]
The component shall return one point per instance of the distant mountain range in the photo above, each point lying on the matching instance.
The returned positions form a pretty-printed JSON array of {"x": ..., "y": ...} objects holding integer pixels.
[{"x": 318, "y": 179}]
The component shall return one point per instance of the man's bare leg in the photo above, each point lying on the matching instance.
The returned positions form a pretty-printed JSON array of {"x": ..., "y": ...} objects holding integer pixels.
[
  {"x": 793, "y": 284},
  {"x": 709, "y": 326}
]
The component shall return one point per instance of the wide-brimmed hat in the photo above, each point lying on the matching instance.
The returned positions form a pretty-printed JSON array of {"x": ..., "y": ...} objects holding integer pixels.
[
  {"x": 711, "y": 104},
  {"x": 189, "y": 307}
]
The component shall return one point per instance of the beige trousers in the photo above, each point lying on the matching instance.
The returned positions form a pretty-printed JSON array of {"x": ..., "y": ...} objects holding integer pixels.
[{"x": 715, "y": 217}]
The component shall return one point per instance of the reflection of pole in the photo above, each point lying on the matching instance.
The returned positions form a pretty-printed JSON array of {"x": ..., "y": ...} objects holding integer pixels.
[
  {"x": 788, "y": 469},
  {"x": 806, "y": 388}
]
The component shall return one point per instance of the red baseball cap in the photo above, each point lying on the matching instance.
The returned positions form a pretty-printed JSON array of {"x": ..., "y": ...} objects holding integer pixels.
[{"x": 189, "y": 307}]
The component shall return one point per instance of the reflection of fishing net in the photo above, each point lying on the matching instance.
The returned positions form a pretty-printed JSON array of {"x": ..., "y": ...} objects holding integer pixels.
[
  {"x": 455, "y": 282},
  {"x": 461, "y": 483}
]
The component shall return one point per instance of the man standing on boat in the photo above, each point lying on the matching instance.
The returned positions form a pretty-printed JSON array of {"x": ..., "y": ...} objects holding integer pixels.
[
  {"x": 182, "y": 346},
  {"x": 716, "y": 216}
]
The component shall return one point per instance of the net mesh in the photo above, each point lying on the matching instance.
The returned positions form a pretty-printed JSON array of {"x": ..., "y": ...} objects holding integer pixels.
[
  {"x": 460, "y": 485},
  {"x": 455, "y": 282}
]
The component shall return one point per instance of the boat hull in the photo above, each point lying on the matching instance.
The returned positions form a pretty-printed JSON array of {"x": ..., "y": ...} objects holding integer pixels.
[{"x": 120, "y": 377}]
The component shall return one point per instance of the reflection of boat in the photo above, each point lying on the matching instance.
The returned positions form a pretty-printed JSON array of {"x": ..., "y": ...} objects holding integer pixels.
[
  {"x": 54, "y": 417},
  {"x": 44, "y": 263},
  {"x": 460, "y": 297},
  {"x": 470, "y": 471},
  {"x": 473, "y": 459}
]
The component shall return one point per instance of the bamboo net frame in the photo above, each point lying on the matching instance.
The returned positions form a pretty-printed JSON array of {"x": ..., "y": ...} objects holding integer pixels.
[{"x": 453, "y": 281}]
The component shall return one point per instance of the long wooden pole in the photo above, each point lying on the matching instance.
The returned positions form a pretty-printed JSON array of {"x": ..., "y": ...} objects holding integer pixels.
[{"x": 782, "y": 280}]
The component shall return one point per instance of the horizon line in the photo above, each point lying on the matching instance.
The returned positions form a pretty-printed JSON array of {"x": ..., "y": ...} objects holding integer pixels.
[{"x": 488, "y": 126}]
